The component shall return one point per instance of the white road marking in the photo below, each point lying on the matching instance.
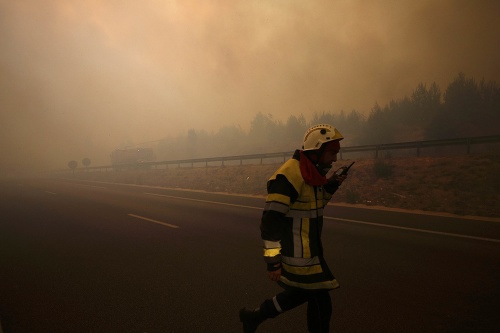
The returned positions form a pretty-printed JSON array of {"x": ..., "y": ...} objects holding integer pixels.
[
  {"x": 205, "y": 201},
  {"x": 417, "y": 230},
  {"x": 154, "y": 221},
  {"x": 102, "y": 187},
  {"x": 85, "y": 185},
  {"x": 345, "y": 220}
]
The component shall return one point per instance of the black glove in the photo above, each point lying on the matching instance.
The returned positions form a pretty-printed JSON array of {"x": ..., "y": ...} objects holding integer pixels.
[{"x": 273, "y": 267}]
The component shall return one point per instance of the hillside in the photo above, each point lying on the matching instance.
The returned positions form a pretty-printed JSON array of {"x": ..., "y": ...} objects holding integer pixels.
[{"x": 464, "y": 185}]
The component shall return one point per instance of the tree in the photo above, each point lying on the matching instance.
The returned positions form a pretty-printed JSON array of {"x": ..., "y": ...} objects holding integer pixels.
[
  {"x": 490, "y": 107},
  {"x": 295, "y": 127},
  {"x": 72, "y": 165},
  {"x": 351, "y": 125},
  {"x": 86, "y": 162},
  {"x": 379, "y": 126},
  {"x": 229, "y": 140},
  {"x": 265, "y": 133},
  {"x": 462, "y": 96},
  {"x": 469, "y": 109},
  {"x": 324, "y": 118},
  {"x": 191, "y": 143}
]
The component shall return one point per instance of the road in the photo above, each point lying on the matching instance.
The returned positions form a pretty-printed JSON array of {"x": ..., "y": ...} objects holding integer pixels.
[{"x": 99, "y": 257}]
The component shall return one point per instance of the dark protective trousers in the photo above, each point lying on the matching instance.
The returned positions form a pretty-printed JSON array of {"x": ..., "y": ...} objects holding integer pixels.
[{"x": 319, "y": 306}]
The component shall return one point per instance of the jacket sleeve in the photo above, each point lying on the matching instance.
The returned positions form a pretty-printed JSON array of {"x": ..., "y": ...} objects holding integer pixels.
[{"x": 281, "y": 194}]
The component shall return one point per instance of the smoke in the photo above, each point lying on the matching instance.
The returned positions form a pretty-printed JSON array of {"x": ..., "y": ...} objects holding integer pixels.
[{"x": 81, "y": 78}]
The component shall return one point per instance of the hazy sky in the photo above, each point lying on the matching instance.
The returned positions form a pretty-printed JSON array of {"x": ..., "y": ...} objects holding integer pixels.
[{"x": 81, "y": 78}]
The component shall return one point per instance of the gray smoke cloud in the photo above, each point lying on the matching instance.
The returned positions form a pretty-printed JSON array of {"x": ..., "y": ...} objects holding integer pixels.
[{"x": 81, "y": 78}]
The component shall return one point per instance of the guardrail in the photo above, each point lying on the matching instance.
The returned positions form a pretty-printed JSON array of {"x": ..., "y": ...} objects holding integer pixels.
[
  {"x": 418, "y": 145},
  {"x": 283, "y": 156}
]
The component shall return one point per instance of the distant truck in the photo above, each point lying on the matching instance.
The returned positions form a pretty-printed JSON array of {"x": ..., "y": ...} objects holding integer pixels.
[{"x": 132, "y": 158}]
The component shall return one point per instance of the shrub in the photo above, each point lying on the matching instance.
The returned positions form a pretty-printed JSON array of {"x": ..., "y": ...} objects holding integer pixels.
[
  {"x": 383, "y": 169},
  {"x": 352, "y": 196}
]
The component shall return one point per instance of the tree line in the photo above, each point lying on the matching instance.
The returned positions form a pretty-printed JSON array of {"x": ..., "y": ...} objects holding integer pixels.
[{"x": 467, "y": 108}]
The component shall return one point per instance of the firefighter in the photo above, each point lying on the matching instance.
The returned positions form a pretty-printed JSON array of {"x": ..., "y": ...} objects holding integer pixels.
[{"x": 291, "y": 226}]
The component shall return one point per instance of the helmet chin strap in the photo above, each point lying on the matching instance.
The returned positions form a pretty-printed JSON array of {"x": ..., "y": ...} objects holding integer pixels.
[{"x": 314, "y": 156}]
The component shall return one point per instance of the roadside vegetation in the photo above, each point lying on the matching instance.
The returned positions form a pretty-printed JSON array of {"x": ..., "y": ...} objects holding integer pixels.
[{"x": 463, "y": 185}]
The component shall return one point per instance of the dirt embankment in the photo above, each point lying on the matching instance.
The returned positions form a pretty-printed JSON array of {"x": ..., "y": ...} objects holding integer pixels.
[{"x": 464, "y": 185}]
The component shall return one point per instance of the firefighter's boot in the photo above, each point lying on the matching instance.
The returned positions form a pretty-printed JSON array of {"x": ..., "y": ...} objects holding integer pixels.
[{"x": 250, "y": 319}]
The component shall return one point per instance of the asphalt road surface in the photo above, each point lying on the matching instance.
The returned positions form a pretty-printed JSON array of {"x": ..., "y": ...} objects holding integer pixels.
[{"x": 98, "y": 257}]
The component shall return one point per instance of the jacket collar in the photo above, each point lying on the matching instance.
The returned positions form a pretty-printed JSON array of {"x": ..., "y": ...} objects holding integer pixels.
[{"x": 308, "y": 170}]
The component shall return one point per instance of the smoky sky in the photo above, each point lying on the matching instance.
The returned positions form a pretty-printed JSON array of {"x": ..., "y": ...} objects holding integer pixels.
[{"x": 81, "y": 78}]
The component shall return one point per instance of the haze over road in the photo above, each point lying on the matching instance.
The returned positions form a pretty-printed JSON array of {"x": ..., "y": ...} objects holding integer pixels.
[
  {"x": 98, "y": 257},
  {"x": 83, "y": 78}
]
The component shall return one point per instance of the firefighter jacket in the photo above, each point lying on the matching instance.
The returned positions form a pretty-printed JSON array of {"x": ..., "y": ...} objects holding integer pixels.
[{"x": 291, "y": 228}]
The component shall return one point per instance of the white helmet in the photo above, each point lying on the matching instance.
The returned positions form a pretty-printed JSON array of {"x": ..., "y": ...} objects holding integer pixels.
[{"x": 319, "y": 134}]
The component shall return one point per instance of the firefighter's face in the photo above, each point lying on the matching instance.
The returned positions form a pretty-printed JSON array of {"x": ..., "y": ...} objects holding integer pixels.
[{"x": 330, "y": 153}]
